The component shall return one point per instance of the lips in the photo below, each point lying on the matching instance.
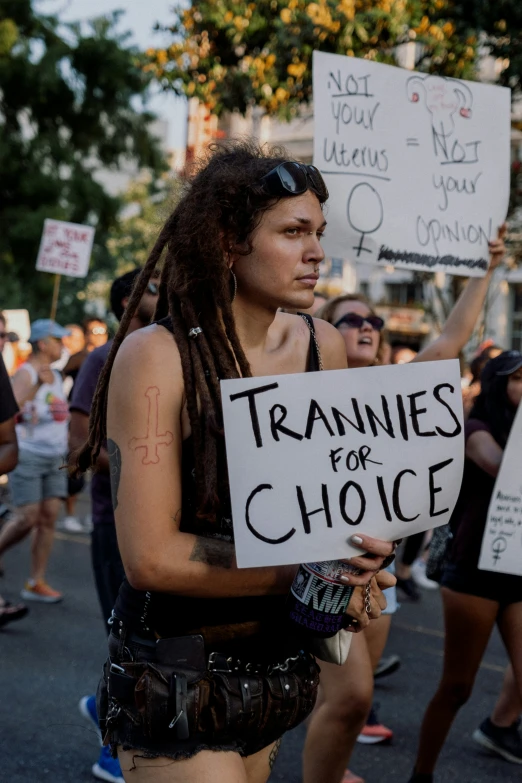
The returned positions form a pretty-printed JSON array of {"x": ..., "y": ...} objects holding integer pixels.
[{"x": 309, "y": 277}]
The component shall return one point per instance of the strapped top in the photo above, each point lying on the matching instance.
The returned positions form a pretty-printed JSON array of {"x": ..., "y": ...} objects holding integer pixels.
[{"x": 175, "y": 615}]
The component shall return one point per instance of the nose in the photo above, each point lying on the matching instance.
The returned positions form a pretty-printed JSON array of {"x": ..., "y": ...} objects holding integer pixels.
[
  {"x": 314, "y": 252},
  {"x": 366, "y": 327}
]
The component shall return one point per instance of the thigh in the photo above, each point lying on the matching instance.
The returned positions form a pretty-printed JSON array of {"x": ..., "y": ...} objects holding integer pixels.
[
  {"x": 468, "y": 621},
  {"x": 259, "y": 766},
  {"x": 54, "y": 483},
  {"x": 26, "y": 480},
  {"x": 350, "y": 683},
  {"x": 205, "y": 767}
]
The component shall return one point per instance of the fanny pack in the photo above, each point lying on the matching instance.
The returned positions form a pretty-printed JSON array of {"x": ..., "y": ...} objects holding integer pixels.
[{"x": 182, "y": 691}]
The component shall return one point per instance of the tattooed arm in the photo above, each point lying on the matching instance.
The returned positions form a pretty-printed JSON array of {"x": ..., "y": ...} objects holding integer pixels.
[{"x": 144, "y": 447}]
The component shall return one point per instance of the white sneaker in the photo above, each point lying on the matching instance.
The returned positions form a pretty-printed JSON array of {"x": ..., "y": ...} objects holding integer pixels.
[
  {"x": 418, "y": 573},
  {"x": 72, "y": 525}
]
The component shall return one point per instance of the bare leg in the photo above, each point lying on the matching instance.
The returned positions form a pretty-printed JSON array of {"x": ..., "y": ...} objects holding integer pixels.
[
  {"x": 345, "y": 699},
  {"x": 70, "y": 505},
  {"x": 205, "y": 767},
  {"x": 43, "y": 536},
  {"x": 510, "y": 626},
  {"x": 376, "y": 637},
  {"x": 509, "y": 703},
  {"x": 469, "y": 621},
  {"x": 18, "y": 527}
]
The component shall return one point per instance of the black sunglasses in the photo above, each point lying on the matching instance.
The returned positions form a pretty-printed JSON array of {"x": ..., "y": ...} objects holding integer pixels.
[
  {"x": 152, "y": 288},
  {"x": 354, "y": 321},
  {"x": 290, "y": 178}
]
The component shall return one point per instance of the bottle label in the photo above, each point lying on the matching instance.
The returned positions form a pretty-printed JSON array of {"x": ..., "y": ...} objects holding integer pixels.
[{"x": 321, "y": 600}]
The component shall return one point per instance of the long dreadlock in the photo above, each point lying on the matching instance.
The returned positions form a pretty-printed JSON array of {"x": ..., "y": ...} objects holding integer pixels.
[{"x": 221, "y": 206}]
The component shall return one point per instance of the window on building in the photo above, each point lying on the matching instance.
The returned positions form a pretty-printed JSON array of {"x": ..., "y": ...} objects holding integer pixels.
[
  {"x": 516, "y": 324},
  {"x": 404, "y": 293}
]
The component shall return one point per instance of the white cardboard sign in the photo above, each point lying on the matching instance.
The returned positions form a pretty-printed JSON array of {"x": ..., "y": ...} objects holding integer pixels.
[
  {"x": 502, "y": 541},
  {"x": 417, "y": 165},
  {"x": 314, "y": 458},
  {"x": 65, "y": 248}
]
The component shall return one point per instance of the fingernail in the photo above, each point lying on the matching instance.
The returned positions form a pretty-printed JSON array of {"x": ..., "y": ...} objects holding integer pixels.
[
  {"x": 345, "y": 579},
  {"x": 356, "y": 540}
]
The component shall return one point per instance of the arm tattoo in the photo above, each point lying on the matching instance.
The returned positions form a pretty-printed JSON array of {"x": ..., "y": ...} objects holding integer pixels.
[
  {"x": 114, "y": 453},
  {"x": 214, "y": 552},
  {"x": 153, "y": 439},
  {"x": 273, "y": 754}
]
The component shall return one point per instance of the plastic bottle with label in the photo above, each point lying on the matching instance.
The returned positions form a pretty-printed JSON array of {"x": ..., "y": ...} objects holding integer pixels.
[{"x": 318, "y": 600}]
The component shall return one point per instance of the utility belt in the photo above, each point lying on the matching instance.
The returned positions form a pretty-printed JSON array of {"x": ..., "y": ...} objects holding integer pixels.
[{"x": 181, "y": 688}]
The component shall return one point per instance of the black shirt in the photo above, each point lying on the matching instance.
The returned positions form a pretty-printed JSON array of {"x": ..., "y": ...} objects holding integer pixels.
[{"x": 8, "y": 406}]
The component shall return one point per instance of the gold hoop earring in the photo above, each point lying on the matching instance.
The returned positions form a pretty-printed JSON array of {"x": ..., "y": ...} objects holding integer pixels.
[{"x": 234, "y": 286}]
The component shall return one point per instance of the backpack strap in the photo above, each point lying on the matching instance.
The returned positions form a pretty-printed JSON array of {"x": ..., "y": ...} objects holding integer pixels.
[{"x": 315, "y": 361}]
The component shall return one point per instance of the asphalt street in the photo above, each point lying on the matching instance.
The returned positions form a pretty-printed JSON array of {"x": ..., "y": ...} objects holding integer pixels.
[{"x": 53, "y": 657}]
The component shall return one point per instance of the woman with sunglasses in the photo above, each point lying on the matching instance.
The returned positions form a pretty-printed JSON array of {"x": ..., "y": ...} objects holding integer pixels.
[
  {"x": 203, "y": 677},
  {"x": 346, "y": 694}
]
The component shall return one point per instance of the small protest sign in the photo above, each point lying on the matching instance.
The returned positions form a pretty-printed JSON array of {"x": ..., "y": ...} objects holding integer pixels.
[
  {"x": 502, "y": 541},
  {"x": 315, "y": 457},
  {"x": 417, "y": 165},
  {"x": 65, "y": 248}
]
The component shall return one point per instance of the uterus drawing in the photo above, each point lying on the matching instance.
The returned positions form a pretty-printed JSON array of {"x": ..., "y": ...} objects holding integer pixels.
[{"x": 443, "y": 98}]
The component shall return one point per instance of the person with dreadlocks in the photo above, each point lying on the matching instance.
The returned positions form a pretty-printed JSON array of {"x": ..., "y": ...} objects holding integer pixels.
[{"x": 203, "y": 677}]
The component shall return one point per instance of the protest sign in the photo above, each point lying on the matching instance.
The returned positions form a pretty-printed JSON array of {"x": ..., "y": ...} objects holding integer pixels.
[
  {"x": 65, "y": 248},
  {"x": 502, "y": 541},
  {"x": 314, "y": 458},
  {"x": 417, "y": 165}
]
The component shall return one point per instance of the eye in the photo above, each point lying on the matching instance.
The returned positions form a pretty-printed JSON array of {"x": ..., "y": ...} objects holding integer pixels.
[{"x": 293, "y": 231}]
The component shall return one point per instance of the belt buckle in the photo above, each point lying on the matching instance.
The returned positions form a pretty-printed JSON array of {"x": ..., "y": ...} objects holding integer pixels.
[{"x": 217, "y": 661}]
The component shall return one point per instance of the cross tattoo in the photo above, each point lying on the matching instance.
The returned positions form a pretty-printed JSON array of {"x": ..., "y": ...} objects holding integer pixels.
[{"x": 153, "y": 439}]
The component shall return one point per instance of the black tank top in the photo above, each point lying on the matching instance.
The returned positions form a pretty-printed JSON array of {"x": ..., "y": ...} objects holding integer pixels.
[{"x": 168, "y": 614}]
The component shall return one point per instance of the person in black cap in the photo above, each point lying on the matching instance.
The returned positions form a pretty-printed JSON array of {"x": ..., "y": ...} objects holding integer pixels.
[{"x": 475, "y": 600}]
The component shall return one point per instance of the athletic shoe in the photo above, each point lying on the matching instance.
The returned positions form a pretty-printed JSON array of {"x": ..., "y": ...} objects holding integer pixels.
[
  {"x": 72, "y": 525},
  {"x": 40, "y": 591},
  {"x": 107, "y": 768},
  {"x": 87, "y": 707},
  {"x": 387, "y": 666},
  {"x": 501, "y": 741},
  {"x": 349, "y": 777},
  {"x": 417, "y": 777},
  {"x": 374, "y": 732},
  {"x": 418, "y": 574},
  {"x": 409, "y": 588}
]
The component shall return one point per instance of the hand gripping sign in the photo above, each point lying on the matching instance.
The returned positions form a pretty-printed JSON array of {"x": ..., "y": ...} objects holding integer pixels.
[
  {"x": 417, "y": 165},
  {"x": 316, "y": 457}
]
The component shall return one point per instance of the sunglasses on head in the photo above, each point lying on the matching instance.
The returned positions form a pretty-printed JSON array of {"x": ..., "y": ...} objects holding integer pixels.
[
  {"x": 355, "y": 321},
  {"x": 294, "y": 179}
]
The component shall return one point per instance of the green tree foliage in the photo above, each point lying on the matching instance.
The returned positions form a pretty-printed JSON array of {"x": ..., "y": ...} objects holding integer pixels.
[
  {"x": 66, "y": 110},
  {"x": 232, "y": 55}
]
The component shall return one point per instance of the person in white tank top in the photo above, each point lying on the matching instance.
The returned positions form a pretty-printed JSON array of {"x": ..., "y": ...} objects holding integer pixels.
[{"x": 38, "y": 484}]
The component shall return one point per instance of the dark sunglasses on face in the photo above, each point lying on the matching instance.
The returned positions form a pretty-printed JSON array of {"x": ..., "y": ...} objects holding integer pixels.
[
  {"x": 294, "y": 179},
  {"x": 355, "y": 321},
  {"x": 152, "y": 288}
]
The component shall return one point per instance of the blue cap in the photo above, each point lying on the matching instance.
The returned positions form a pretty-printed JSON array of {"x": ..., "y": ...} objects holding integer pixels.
[{"x": 45, "y": 327}]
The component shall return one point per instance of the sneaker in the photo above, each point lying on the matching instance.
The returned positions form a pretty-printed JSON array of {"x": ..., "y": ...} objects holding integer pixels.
[
  {"x": 418, "y": 777},
  {"x": 87, "y": 707},
  {"x": 40, "y": 591},
  {"x": 387, "y": 666},
  {"x": 409, "y": 588},
  {"x": 418, "y": 574},
  {"x": 10, "y": 612},
  {"x": 72, "y": 525},
  {"x": 107, "y": 768},
  {"x": 501, "y": 741},
  {"x": 374, "y": 732},
  {"x": 350, "y": 777}
]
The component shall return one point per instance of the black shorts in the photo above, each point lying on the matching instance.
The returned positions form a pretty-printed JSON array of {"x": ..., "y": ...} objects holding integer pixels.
[
  {"x": 505, "y": 589},
  {"x": 241, "y": 699}
]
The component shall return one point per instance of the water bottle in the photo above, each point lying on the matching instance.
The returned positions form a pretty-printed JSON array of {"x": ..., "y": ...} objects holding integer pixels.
[{"x": 318, "y": 599}]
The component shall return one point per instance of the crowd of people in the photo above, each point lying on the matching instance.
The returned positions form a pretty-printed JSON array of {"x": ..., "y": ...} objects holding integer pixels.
[{"x": 184, "y": 623}]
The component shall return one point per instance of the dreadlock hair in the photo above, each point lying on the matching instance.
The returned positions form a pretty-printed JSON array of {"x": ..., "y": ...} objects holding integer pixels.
[
  {"x": 327, "y": 313},
  {"x": 218, "y": 211}
]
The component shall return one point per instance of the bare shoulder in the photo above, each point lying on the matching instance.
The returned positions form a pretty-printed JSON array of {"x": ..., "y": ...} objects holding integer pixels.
[
  {"x": 331, "y": 344},
  {"x": 149, "y": 354}
]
